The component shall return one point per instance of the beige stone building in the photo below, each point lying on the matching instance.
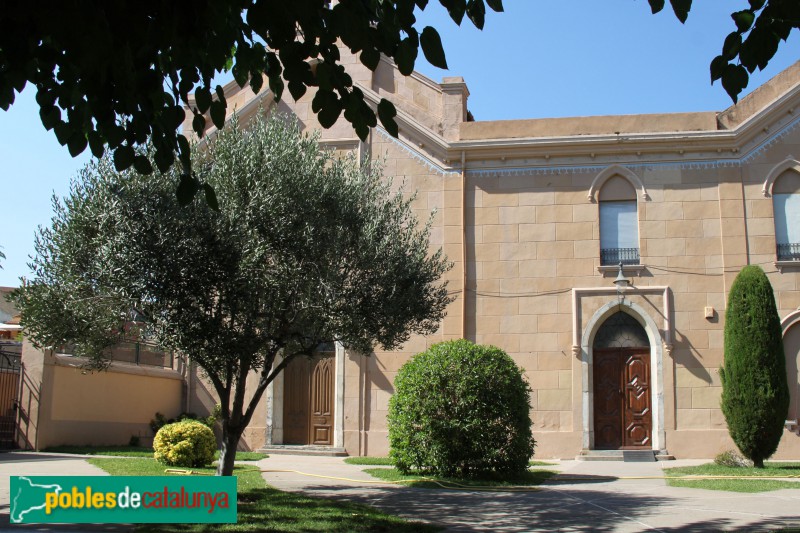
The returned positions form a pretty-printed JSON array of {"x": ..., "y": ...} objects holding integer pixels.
[{"x": 536, "y": 216}]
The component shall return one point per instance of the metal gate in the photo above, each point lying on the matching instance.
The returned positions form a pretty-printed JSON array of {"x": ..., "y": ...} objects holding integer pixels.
[{"x": 10, "y": 377}]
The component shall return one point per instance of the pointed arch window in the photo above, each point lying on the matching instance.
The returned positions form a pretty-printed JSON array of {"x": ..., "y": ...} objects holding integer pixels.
[
  {"x": 786, "y": 206},
  {"x": 619, "y": 223}
]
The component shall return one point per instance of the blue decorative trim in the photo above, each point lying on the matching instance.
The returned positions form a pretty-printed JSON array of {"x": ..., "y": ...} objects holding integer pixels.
[
  {"x": 772, "y": 140},
  {"x": 428, "y": 163}
]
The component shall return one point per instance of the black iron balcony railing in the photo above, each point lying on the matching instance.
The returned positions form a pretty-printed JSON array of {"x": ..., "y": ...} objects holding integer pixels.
[
  {"x": 615, "y": 256},
  {"x": 789, "y": 251}
]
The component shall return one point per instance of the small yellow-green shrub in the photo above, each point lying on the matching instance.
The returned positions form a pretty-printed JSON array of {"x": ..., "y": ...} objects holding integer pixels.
[{"x": 187, "y": 443}]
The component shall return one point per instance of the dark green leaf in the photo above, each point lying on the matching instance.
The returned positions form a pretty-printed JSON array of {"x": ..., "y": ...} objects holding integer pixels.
[
  {"x": 456, "y": 9},
  {"x": 329, "y": 112},
  {"x": 496, "y": 5},
  {"x": 202, "y": 98},
  {"x": 63, "y": 132},
  {"x": 45, "y": 98},
  {"x": 755, "y": 5},
  {"x": 744, "y": 20},
  {"x": 297, "y": 89},
  {"x": 211, "y": 197},
  {"x": 187, "y": 189},
  {"x": 76, "y": 144},
  {"x": 276, "y": 86},
  {"x": 114, "y": 134},
  {"x": 718, "y": 65},
  {"x": 681, "y": 9},
  {"x": 256, "y": 82},
  {"x": 734, "y": 80},
  {"x": 96, "y": 144},
  {"x": 387, "y": 112},
  {"x": 184, "y": 153},
  {"x": 656, "y": 5},
  {"x": 123, "y": 157},
  {"x": 199, "y": 124},
  {"x": 730, "y": 48},
  {"x": 164, "y": 158},
  {"x": 476, "y": 12},
  {"x": 240, "y": 74},
  {"x": 50, "y": 116},
  {"x": 406, "y": 55},
  {"x": 370, "y": 57},
  {"x": 432, "y": 47},
  {"x": 142, "y": 165},
  {"x": 6, "y": 95},
  {"x": 218, "y": 114}
]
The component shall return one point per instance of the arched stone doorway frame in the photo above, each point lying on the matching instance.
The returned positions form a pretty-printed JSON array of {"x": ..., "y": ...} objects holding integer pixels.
[
  {"x": 792, "y": 319},
  {"x": 656, "y": 368}
]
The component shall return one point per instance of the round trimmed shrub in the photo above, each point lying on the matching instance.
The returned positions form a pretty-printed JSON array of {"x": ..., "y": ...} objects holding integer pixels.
[
  {"x": 755, "y": 393},
  {"x": 186, "y": 443},
  {"x": 460, "y": 410}
]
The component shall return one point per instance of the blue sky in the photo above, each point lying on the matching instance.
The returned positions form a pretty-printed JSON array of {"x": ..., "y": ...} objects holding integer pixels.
[{"x": 536, "y": 60}]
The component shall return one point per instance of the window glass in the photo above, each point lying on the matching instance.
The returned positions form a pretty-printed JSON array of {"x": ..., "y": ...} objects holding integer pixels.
[
  {"x": 787, "y": 218},
  {"x": 618, "y": 225}
]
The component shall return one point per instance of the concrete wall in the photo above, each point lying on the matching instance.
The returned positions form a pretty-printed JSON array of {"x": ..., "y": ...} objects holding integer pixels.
[{"x": 63, "y": 405}]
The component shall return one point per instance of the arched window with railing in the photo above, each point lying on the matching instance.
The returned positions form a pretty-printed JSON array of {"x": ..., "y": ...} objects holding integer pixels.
[
  {"x": 786, "y": 206},
  {"x": 619, "y": 222}
]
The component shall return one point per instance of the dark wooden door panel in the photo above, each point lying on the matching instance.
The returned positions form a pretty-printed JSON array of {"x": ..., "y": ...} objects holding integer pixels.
[
  {"x": 607, "y": 402},
  {"x": 322, "y": 401},
  {"x": 637, "y": 407},
  {"x": 296, "y": 401},
  {"x": 622, "y": 404}
]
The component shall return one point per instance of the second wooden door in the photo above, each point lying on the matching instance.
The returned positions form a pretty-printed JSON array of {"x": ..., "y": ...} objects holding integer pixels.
[{"x": 308, "y": 401}]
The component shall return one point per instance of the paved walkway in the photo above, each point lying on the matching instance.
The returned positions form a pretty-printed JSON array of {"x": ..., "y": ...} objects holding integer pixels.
[
  {"x": 593, "y": 496},
  {"x": 590, "y": 502},
  {"x": 44, "y": 464}
]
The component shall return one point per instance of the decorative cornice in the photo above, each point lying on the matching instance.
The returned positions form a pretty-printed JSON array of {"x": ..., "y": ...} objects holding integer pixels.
[
  {"x": 541, "y": 170},
  {"x": 423, "y": 160}
]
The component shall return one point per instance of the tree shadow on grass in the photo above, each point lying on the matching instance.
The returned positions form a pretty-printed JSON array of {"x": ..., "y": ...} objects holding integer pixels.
[
  {"x": 545, "y": 508},
  {"x": 268, "y": 509}
]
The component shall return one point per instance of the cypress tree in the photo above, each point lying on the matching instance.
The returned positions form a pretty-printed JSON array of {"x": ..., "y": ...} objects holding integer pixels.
[{"x": 755, "y": 393}]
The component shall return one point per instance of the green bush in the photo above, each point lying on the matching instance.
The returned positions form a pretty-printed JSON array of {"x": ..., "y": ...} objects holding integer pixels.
[
  {"x": 755, "y": 394},
  {"x": 732, "y": 459},
  {"x": 460, "y": 410},
  {"x": 160, "y": 420},
  {"x": 188, "y": 443}
]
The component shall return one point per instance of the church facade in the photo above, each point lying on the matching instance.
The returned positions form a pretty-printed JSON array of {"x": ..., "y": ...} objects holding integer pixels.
[{"x": 537, "y": 217}]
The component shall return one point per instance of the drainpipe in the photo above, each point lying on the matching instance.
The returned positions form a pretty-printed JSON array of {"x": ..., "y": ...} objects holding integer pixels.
[{"x": 463, "y": 246}]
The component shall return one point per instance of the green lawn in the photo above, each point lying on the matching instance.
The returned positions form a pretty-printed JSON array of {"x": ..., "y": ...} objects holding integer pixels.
[
  {"x": 385, "y": 461},
  {"x": 529, "y": 478},
  {"x": 263, "y": 508},
  {"x": 369, "y": 461},
  {"x": 736, "y": 485},
  {"x": 137, "y": 451}
]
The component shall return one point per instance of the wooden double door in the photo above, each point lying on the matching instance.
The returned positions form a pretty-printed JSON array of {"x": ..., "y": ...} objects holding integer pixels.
[
  {"x": 623, "y": 416},
  {"x": 308, "y": 400}
]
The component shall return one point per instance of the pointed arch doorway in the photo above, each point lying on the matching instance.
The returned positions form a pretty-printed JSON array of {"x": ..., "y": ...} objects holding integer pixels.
[
  {"x": 308, "y": 407},
  {"x": 623, "y": 412}
]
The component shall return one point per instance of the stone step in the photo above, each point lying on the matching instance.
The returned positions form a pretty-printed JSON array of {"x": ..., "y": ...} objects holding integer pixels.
[
  {"x": 628, "y": 456},
  {"x": 294, "y": 449}
]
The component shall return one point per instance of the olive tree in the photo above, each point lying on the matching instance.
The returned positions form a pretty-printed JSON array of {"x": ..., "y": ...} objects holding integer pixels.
[{"x": 300, "y": 248}]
